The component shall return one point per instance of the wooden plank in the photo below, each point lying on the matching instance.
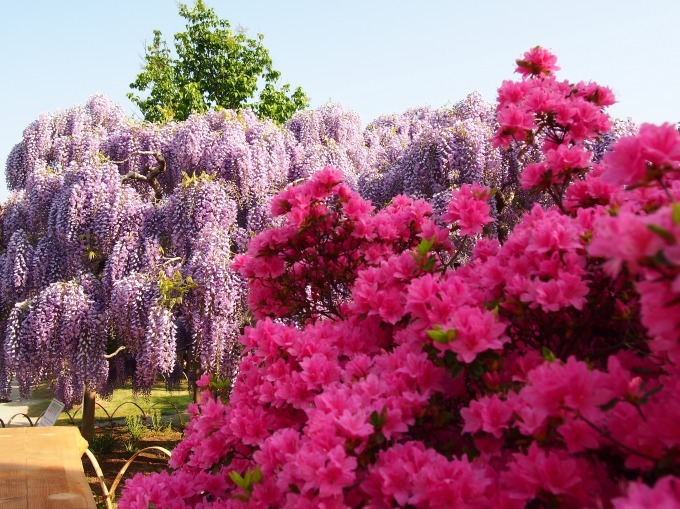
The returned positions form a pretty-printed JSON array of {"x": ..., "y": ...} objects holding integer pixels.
[
  {"x": 52, "y": 475},
  {"x": 13, "y": 488},
  {"x": 14, "y": 503}
]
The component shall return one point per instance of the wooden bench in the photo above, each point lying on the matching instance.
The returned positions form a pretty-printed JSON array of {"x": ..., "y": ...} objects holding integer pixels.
[{"x": 41, "y": 468}]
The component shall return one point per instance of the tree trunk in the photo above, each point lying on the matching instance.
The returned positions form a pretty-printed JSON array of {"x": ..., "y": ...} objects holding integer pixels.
[
  {"x": 87, "y": 424},
  {"x": 196, "y": 375}
]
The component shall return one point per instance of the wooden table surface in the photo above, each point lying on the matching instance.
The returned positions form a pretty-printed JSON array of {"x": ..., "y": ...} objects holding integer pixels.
[{"x": 41, "y": 468}]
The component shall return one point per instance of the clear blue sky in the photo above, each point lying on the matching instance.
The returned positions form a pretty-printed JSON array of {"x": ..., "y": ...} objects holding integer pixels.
[{"x": 376, "y": 57}]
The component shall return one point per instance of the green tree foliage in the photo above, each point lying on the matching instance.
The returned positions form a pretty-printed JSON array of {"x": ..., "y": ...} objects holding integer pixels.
[{"x": 214, "y": 67}]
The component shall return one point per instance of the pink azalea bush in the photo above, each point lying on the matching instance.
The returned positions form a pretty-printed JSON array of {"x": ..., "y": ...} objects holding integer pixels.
[{"x": 385, "y": 371}]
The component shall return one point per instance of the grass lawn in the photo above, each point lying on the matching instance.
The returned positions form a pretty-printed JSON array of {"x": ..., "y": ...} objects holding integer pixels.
[{"x": 120, "y": 404}]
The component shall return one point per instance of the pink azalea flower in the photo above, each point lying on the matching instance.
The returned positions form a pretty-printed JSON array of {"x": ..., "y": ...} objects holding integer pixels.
[
  {"x": 539, "y": 470},
  {"x": 516, "y": 120},
  {"x": 512, "y": 92},
  {"x": 336, "y": 474},
  {"x": 469, "y": 208},
  {"x": 578, "y": 436},
  {"x": 475, "y": 331},
  {"x": 566, "y": 158},
  {"x": 623, "y": 239},
  {"x": 488, "y": 414},
  {"x": 537, "y": 61},
  {"x": 660, "y": 144},
  {"x": 664, "y": 495},
  {"x": 625, "y": 164},
  {"x": 355, "y": 424},
  {"x": 319, "y": 371},
  {"x": 535, "y": 175}
]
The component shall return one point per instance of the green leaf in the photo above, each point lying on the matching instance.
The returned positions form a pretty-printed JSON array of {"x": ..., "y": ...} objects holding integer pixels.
[
  {"x": 173, "y": 289},
  {"x": 547, "y": 354},
  {"x": 662, "y": 232},
  {"x": 373, "y": 419},
  {"x": 660, "y": 259},
  {"x": 425, "y": 246},
  {"x": 477, "y": 370},
  {"x": 439, "y": 336},
  {"x": 675, "y": 213},
  {"x": 450, "y": 358},
  {"x": 378, "y": 420},
  {"x": 429, "y": 263},
  {"x": 237, "y": 479},
  {"x": 455, "y": 369}
]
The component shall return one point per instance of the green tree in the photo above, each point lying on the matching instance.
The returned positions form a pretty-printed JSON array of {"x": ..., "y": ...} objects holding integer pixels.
[{"x": 214, "y": 67}]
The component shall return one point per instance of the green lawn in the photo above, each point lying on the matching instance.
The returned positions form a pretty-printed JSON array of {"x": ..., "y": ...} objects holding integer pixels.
[{"x": 121, "y": 403}]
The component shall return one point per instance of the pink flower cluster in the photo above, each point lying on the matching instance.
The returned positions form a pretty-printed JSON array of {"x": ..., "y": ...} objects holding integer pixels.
[
  {"x": 385, "y": 371},
  {"x": 469, "y": 208},
  {"x": 304, "y": 269},
  {"x": 556, "y": 117}
]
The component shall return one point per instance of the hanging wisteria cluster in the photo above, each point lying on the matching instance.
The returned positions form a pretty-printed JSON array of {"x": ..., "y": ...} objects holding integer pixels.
[
  {"x": 423, "y": 151},
  {"x": 118, "y": 237},
  {"x": 329, "y": 135}
]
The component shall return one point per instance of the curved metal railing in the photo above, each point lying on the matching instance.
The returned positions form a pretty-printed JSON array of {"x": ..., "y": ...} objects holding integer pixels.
[
  {"x": 110, "y": 416},
  {"x": 30, "y": 422},
  {"x": 109, "y": 494}
]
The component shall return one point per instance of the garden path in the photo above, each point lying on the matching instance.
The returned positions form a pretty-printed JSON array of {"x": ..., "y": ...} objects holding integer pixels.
[{"x": 16, "y": 406}]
